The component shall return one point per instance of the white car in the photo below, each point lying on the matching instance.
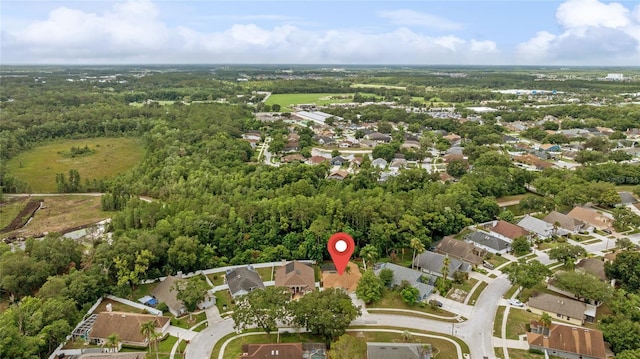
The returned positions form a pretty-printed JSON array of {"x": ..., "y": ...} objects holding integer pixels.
[{"x": 515, "y": 303}]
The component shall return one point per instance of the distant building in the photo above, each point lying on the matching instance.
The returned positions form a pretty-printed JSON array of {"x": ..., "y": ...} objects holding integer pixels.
[
  {"x": 563, "y": 308},
  {"x": 243, "y": 280},
  {"x": 566, "y": 341},
  {"x": 614, "y": 77}
]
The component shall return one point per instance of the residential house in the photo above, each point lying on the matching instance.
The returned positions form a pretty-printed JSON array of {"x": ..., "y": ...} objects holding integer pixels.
[
  {"x": 165, "y": 293},
  {"x": 445, "y": 177},
  {"x": 533, "y": 161},
  {"x": 550, "y": 147},
  {"x": 563, "y": 308},
  {"x": 413, "y": 277},
  {"x": 284, "y": 351},
  {"x": 453, "y": 157},
  {"x": 292, "y": 158},
  {"x": 242, "y": 280},
  {"x": 398, "y": 351},
  {"x": 356, "y": 162},
  {"x": 379, "y": 163},
  {"x": 488, "y": 242},
  {"x": 532, "y": 224},
  {"x": 452, "y": 137},
  {"x": 299, "y": 277},
  {"x": 594, "y": 266},
  {"x": 461, "y": 250},
  {"x": 324, "y": 140},
  {"x": 127, "y": 326},
  {"x": 562, "y": 221},
  {"x": 338, "y": 175},
  {"x": 455, "y": 150},
  {"x": 397, "y": 164},
  {"x": 338, "y": 161},
  {"x": 316, "y": 160},
  {"x": 566, "y": 341},
  {"x": 432, "y": 263},
  {"x": 591, "y": 217},
  {"x": 348, "y": 281},
  {"x": 508, "y": 231},
  {"x": 345, "y": 144},
  {"x": 410, "y": 144},
  {"x": 378, "y": 137},
  {"x": 510, "y": 139}
]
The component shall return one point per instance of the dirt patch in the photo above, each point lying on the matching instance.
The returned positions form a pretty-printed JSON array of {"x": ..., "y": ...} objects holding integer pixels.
[
  {"x": 458, "y": 295},
  {"x": 23, "y": 217}
]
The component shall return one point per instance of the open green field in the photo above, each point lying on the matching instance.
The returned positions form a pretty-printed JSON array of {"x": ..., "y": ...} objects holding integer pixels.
[
  {"x": 112, "y": 156},
  {"x": 286, "y": 100},
  {"x": 10, "y": 209},
  {"x": 377, "y": 86}
]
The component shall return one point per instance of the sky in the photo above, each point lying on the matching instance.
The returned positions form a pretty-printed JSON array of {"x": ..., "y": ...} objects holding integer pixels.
[{"x": 473, "y": 32}]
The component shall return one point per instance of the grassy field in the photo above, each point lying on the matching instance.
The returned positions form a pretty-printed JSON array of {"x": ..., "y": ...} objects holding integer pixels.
[
  {"x": 10, "y": 209},
  {"x": 38, "y": 167},
  {"x": 377, "y": 86},
  {"x": 517, "y": 322},
  {"x": 286, "y": 100},
  {"x": 497, "y": 323},
  {"x": 62, "y": 212}
]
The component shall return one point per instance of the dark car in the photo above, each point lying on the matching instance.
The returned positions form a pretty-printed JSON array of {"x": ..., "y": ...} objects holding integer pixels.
[{"x": 437, "y": 303}]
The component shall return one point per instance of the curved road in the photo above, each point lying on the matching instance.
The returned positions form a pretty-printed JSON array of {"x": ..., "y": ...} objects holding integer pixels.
[{"x": 477, "y": 332}]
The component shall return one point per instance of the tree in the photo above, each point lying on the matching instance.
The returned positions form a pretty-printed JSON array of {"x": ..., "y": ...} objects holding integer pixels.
[
  {"x": 457, "y": 168},
  {"x": 619, "y": 156},
  {"x": 626, "y": 270},
  {"x": 183, "y": 254},
  {"x": 521, "y": 246},
  {"x": 113, "y": 342},
  {"x": 146, "y": 329},
  {"x": 131, "y": 273},
  {"x": 327, "y": 313},
  {"x": 545, "y": 320},
  {"x": 623, "y": 218},
  {"x": 155, "y": 338},
  {"x": 410, "y": 295},
  {"x": 567, "y": 254},
  {"x": 445, "y": 266},
  {"x": 369, "y": 287},
  {"x": 369, "y": 253},
  {"x": 629, "y": 354},
  {"x": 622, "y": 333},
  {"x": 527, "y": 274},
  {"x": 386, "y": 275},
  {"x": 625, "y": 244},
  {"x": 418, "y": 247},
  {"x": 583, "y": 285},
  {"x": 262, "y": 307},
  {"x": 507, "y": 216},
  {"x": 348, "y": 347},
  {"x": 191, "y": 292}
]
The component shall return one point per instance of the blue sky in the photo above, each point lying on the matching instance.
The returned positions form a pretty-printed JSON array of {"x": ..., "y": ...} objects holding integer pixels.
[{"x": 571, "y": 32}]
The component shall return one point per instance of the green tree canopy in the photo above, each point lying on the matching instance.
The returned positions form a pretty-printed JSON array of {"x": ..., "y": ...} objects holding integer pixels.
[
  {"x": 369, "y": 287},
  {"x": 262, "y": 308},
  {"x": 527, "y": 274}
]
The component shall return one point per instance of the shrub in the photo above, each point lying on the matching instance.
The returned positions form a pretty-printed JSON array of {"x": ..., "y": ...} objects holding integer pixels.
[{"x": 535, "y": 351}]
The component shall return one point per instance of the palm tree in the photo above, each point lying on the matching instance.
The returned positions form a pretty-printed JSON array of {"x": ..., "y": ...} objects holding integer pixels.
[
  {"x": 545, "y": 320},
  {"x": 113, "y": 341},
  {"x": 417, "y": 246},
  {"x": 445, "y": 267},
  {"x": 155, "y": 338},
  {"x": 368, "y": 253},
  {"x": 146, "y": 329}
]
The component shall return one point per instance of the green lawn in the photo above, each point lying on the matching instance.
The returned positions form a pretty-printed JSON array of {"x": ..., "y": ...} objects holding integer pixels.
[
  {"x": 497, "y": 323},
  {"x": 523, "y": 354},
  {"x": 216, "y": 278},
  {"x": 265, "y": 273},
  {"x": 511, "y": 290},
  {"x": 286, "y": 100},
  {"x": 142, "y": 290},
  {"x": 10, "y": 209},
  {"x": 378, "y": 86},
  {"x": 497, "y": 261},
  {"x": 477, "y": 292},
  {"x": 38, "y": 167},
  {"x": 392, "y": 299},
  {"x": 185, "y": 323},
  {"x": 223, "y": 298},
  {"x": 466, "y": 287},
  {"x": 517, "y": 322}
]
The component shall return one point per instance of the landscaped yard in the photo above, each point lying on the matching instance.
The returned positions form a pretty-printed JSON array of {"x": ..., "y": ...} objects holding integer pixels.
[
  {"x": 185, "y": 323},
  {"x": 459, "y": 288},
  {"x": 265, "y": 273},
  {"x": 223, "y": 301},
  {"x": 497, "y": 261},
  {"x": 517, "y": 322},
  {"x": 392, "y": 299}
]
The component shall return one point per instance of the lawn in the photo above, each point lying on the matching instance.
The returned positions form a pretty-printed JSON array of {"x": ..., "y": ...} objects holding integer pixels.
[
  {"x": 286, "y": 100},
  {"x": 185, "y": 323},
  {"x": 112, "y": 156},
  {"x": 523, "y": 354},
  {"x": 465, "y": 287},
  {"x": 392, "y": 299},
  {"x": 497, "y": 261},
  {"x": 10, "y": 209},
  {"x": 265, "y": 273},
  {"x": 377, "y": 86},
  {"x": 116, "y": 307},
  {"x": 142, "y": 290},
  {"x": 511, "y": 290},
  {"x": 477, "y": 292},
  {"x": 63, "y": 212},
  {"x": 216, "y": 278},
  {"x": 517, "y": 322},
  {"x": 497, "y": 322},
  {"x": 223, "y": 301}
]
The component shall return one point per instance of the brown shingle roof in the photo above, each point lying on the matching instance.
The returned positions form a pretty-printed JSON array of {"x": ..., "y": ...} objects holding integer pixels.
[
  {"x": 566, "y": 222},
  {"x": 590, "y": 216},
  {"x": 275, "y": 351},
  {"x": 295, "y": 274},
  {"x": 164, "y": 293},
  {"x": 570, "y": 339},
  {"x": 509, "y": 230},
  {"x": 126, "y": 325},
  {"x": 461, "y": 250},
  {"x": 593, "y": 266},
  {"x": 558, "y": 305},
  {"x": 346, "y": 281}
]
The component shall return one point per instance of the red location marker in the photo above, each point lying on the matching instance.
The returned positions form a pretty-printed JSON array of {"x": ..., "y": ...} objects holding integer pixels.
[{"x": 341, "y": 248}]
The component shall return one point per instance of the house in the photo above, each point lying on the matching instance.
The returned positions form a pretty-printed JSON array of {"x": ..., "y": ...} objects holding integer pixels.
[
  {"x": 348, "y": 281},
  {"x": 560, "y": 220},
  {"x": 338, "y": 175},
  {"x": 338, "y": 161},
  {"x": 591, "y": 217},
  {"x": 594, "y": 266},
  {"x": 284, "y": 351},
  {"x": 563, "y": 308},
  {"x": 413, "y": 277},
  {"x": 461, "y": 250},
  {"x": 398, "y": 163},
  {"x": 378, "y": 137},
  {"x": 550, "y": 147},
  {"x": 432, "y": 263},
  {"x": 508, "y": 231},
  {"x": 532, "y": 160},
  {"x": 452, "y": 137},
  {"x": 379, "y": 163},
  {"x": 356, "y": 162},
  {"x": 398, "y": 351},
  {"x": 488, "y": 242},
  {"x": 292, "y": 158},
  {"x": 242, "y": 280},
  {"x": 410, "y": 144},
  {"x": 532, "y": 224},
  {"x": 566, "y": 341},
  {"x": 316, "y": 160},
  {"x": 165, "y": 293},
  {"x": 509, "y": 139},
  {"x": 127, "y": 326},
  {"x": 299, "y": 277},
  {"x": 324, "y": 140}
]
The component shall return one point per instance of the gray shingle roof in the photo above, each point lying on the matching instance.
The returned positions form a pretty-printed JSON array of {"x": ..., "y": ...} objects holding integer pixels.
[
  {"x": 558, "y": 305},
  {"x": 398, "y": 351},
  {"x": 243, "y": 280},
  {"x": 537, "y": 226},
  {"x": 433, "y": 262},
  {"x": 488, "y": 240},
  {"x": 412, "y": 276}
]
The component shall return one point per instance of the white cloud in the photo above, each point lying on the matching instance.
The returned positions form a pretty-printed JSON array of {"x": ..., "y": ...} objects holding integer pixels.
[
  {"x": 592, "y": 33},
  {"x": 133, "y": 32},
  {"x": 415, "y": 18}
]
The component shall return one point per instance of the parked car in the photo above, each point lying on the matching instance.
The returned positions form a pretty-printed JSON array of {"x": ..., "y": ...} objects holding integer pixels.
[
  {"x": 437, "y": 303},
  {"x": 515, "y": 303},
  {"x": 488, "y": 265},
  {"x": 607, "y": 231}
]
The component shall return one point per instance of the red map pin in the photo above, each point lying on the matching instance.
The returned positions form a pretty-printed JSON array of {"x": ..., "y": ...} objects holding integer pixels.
[{"x": 341, "y": 248}]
